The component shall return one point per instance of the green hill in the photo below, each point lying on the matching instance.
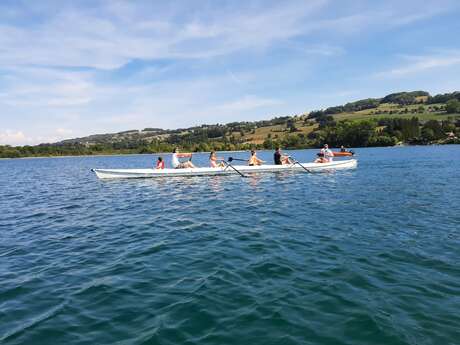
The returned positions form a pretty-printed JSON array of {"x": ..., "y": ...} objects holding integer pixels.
[{"x": 405, "y": 117}]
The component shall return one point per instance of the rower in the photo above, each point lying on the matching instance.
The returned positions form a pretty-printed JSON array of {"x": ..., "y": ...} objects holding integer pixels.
[
  {"x": 213, "y": 160},
  {"x": 281, "y": 159},
  {"x": 344, "y": 150},
  {"x": 327, "y": 153},
  {"x": 160, "y": 163},
  {"x": 253, "y": 161},
  {"x": 176, "y": 164},
  {"x": 320, "y": 158}
]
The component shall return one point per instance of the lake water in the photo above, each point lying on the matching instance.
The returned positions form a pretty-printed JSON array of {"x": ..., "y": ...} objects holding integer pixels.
[{"x": 366, "y": 256}]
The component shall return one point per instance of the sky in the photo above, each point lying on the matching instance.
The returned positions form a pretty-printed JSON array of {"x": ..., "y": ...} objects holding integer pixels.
[{"x": 75, "y": 68}]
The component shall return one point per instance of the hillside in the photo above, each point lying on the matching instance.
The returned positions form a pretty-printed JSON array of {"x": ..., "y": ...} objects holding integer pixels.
[{"x": 405, "y": 117}]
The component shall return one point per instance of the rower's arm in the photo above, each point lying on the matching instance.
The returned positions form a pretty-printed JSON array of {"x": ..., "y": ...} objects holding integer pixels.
[{"x": 183, "y": 155}]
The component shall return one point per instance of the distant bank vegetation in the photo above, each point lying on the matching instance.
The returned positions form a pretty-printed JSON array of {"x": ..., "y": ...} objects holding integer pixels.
[{"x": 405, "y": 117}]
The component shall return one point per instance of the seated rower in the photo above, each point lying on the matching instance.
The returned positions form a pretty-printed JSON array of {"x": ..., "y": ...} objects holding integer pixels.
[
  {"x": 176, "y": 164},
  {"x": 160, "y": 163},
  {"x": 321, "y": 158},
  {"x": 253, "y": 161},
  {"x": 327, "y": 153},
  {"x": 280, "y": 159},
  {"x": 213, "y": 160},
  {"x": 343, "y": 149}
]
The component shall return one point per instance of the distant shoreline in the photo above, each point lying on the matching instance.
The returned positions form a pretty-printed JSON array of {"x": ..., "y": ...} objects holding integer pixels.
[
  {"x": 119, "y": 154},
  {"x": 200, "y": 152}
]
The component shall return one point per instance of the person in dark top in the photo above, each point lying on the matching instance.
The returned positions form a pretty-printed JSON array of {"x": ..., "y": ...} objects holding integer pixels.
[{"x": 279, "y": 158}]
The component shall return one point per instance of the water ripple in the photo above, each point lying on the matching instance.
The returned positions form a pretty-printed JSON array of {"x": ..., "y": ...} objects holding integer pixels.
[{"x": 356, "y": 257}]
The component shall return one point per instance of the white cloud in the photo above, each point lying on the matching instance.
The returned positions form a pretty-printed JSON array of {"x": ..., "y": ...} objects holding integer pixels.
[
  {"x": 43, "y": 47},
  {"x": 418, "y": 64},
  {"x": 10, "y": 137},
  {"x": 15, "y": 137},
  {"x": 111, "y": 34},
  {"x": 123, "y": 32},
  {"x": 64, "y": 131},
  {"x": 324, "y": 50},
  {"x": 44, "y": 87},
  {"x": 115, "y": 33},
  {"x": 248, "y": 103}
]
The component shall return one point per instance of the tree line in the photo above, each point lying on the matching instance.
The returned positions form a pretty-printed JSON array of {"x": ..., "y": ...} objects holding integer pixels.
[
  {"x": 399, "y": 98},
  {"x": 382, "y": 132},
  {"x": 233, "y": 136},
  {"x": 369, "y": 133}
]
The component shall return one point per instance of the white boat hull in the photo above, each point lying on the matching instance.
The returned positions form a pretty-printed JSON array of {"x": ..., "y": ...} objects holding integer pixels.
[{"x": 245, "y": 169}]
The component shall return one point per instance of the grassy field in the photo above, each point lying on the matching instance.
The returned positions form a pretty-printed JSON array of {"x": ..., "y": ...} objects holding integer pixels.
[
  {"x": 430, "y": 112},
  {"x": 275, "y": 132},
  {"x": 421, "y": 117}
]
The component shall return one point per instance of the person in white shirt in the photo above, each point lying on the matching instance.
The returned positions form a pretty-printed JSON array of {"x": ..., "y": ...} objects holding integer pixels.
[
  {"x": 177, "y": 164},
  {"x": 327, "y": 153}
]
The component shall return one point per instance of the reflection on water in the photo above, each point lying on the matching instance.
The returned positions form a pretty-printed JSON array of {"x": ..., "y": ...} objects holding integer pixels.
[{"x": 215, "y": 184}]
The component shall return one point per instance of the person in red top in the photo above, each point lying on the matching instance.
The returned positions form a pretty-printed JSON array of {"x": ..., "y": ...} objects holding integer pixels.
[{"x": 160, "y": 163}]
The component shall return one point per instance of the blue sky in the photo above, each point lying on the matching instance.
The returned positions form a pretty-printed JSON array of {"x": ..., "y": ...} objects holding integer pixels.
[{"x": 73, "y": 68}]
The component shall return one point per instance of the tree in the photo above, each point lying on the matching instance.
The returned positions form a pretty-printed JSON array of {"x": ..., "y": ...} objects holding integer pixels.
[
  {"x": 346, "y": 133},
  {"x": 453, "y": 106},
  {"x": 398, "y": 135},
  {"x": 381, "y": 140},
  {"x": 326, "y": 121},
  {"x": 290, "y": 125},
  {"x": 268, "y": 144},
  {"x": 432, "y": 130},
  {"x": 404, "y": 98},
  {"x": 444, "y": 97},
  {"x": 448, "y": 125},
  {"x": 428, "y": 134},
  {"x": 293, "y": 129},
  {"x": 291, "y": 141}
]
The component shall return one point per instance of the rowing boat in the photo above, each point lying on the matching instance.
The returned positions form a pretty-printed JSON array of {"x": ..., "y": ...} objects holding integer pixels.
[
  {"x": 150, "y": 173},
  {"x": 343, "y": 153}
]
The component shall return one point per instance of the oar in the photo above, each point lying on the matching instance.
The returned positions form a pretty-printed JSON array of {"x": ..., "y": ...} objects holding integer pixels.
[
  {"x": 236, "y": 159},
  {"x": 231, "y": 166},
  {"x": 298, "y": 163}
]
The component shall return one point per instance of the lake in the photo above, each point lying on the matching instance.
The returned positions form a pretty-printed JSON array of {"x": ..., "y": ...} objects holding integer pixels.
[{"x": 365, "y": 256}]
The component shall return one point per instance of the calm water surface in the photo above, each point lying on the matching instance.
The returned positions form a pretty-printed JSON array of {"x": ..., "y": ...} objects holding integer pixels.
[{"x": 369, "y": 256}]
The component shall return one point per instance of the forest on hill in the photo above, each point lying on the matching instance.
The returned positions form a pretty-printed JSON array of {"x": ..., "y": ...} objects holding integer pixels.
[{"x": 399, "y": 118}]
